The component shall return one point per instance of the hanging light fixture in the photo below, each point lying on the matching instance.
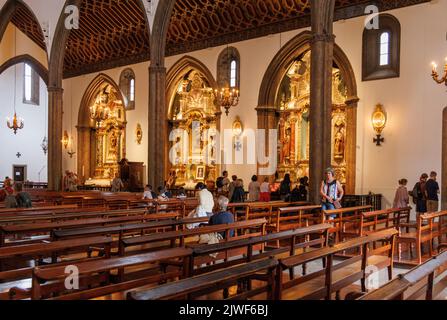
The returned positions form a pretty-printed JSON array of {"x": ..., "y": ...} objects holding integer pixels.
[
  {"x": 227, "y": 97},
  {"x": 44, "y": 143},
  {"x": 17, "y": 123},
  {"x": 100, "y": 111}
]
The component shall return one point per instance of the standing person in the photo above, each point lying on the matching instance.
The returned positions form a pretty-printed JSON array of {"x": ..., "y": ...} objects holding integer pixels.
[
  {"x": 420, "y": 194},
  {"x": 285, "y": 187},
  {"x": 331, "y": 191},
  {"x": 226, "y": 182},
  {"x": 232, "y": 186},
  {"x": 401, "y": 199},
  {"x": 432, "y": 188},
  {"x": 23, "y": 198},
  {"x": 265, "y": 191},
  {"x": 254, "y": 189},
  {"x": 239, "y": 192},
  {"x": 72, "y": 182},
  {"x": 117, "y": 183}
]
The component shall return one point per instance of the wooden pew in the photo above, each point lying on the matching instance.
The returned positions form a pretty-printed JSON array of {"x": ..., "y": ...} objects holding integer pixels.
[
  {"x": 374, "y": 221},
  {"x": 39, "y": 228},
  {"x": 334, "y": 277},
  {"x": 257, "y": 210},
  {"x": 292, "y": 218},
  {"x": 425, "y": 282},
  {"x": 191, "y": 288},
  {"x": 8, "y": 212},
  {"x": 426, "y": 230},
  {"x": 345, "y": 221},
  {"x": 96, "y": 276},
  {"x": 298, "y": 239},
  {"x": 182, "y": 235},
  {"x": 11, "y": 278}
]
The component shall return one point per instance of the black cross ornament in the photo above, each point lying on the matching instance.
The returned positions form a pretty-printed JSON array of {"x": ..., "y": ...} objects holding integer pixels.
[
  {"x": 379, "y": 140},
  {"x": 18, "y": 155}
]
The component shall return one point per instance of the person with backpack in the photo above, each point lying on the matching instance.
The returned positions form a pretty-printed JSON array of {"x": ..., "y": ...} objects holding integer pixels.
[
  {"x": 420, "y": 195},
  {"x": 331, "y": 191},
  {"x": 432, "y": 187},
  {"x": 23, "y": 198}
]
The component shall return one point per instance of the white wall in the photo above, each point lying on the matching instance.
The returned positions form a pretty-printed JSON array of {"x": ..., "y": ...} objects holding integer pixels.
[{"x": 28, "y": 140}]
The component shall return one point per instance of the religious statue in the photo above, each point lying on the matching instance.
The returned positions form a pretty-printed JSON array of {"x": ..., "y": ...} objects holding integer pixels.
[
  {"x": 339, "y": 144},
  {"x": 286, "y": 146}
]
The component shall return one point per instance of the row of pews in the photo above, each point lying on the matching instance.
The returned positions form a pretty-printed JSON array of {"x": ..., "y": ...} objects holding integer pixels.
[{"x": 149, "y": 253}]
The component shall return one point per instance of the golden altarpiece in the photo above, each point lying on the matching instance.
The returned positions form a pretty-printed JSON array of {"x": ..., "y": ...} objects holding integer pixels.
[
  {"x": 109, "y": 137},
  {"x": 293, "y": 103},
  {"x": 193, "y": 122}
]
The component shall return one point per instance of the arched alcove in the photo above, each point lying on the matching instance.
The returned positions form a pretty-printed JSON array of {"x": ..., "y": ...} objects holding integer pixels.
[
  {"x": 268, "y": 113},
  {"x": 190, "y": 98},
  {"x": 101, "y": 145}
]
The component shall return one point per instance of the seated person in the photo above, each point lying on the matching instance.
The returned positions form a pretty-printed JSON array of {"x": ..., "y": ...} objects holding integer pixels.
[
  {"x": 148, "y": 193},
  {"x": 23, "y": 198},
  {"x": 205, "y": 207},
  {"x": 222, "y": 216},
  {"x": 181, "y": 194},
  {"x": 163, "y": 194},
  {"x": 300, "y": 192},
  {"x": 10, "y": 200}
]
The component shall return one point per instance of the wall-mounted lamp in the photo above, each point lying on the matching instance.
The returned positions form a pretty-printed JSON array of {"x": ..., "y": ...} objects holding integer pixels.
[
  {"x": 238, "y": 130},
  {"x": 378, "y": 121},
  {"x": 65, "y": 139}
]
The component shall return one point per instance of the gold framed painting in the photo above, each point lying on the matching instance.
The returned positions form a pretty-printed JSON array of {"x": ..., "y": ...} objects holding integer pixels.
[{"x": 200, "y": 173}]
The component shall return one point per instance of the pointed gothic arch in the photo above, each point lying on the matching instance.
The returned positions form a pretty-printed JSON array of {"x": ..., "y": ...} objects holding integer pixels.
[{"x": 267, "y": 111}]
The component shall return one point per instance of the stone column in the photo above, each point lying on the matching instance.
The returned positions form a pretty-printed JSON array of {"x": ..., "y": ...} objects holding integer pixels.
[
  {"x": 267, "y": 120},
  {"x": 158, "y": 135},
  {"x": 444, "y": 162},
  {"x": 55, "y": 112},
  {"x": 322, "y": 47}
]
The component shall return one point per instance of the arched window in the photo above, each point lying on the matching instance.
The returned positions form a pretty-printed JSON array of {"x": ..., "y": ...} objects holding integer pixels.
[
  {"x": 381, "y": 49},
  {"x": 228, "y": 68},
  {"x": 31, "y": 82},
  {"x": 127, "y": 86}
]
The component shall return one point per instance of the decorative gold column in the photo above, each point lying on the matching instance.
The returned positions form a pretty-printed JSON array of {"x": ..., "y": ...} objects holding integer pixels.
[
  {"x": 322, "y": 47},
  {"x": 158, "y": 135},
  {"x": 55, "y": 112}
]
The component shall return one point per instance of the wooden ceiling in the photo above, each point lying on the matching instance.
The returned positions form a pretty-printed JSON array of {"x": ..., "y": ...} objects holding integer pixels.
[
  {"x": 25, "y": 21},
  {"x": 114, "y": 33}
]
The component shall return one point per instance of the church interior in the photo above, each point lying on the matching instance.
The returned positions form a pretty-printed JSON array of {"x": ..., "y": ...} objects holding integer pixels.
[{"x": 318, "y": 128}]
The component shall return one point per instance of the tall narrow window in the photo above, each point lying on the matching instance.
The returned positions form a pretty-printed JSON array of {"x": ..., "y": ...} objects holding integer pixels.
[
  {"x": 385, "y": 49},
  {"x": 127, "y": 86},
  {"x": 381, "y": 50},
  {"x": 30, "y": 85},
  {"x": 233, "y": 74},
  {"x": 228, "y": 68}
]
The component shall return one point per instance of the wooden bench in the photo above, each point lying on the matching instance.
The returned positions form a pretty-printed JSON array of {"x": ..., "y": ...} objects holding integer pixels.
[
  {"x": 191, "y": 288},
  {"x": 257, "y": 210},
  {"x": 14, "y": 280},
  {"x": 96, "y": 276},
  {"x": 425, "y": 282},
  {"x": 345, "y": 221},
  {"x": 292, "y": 218},
  {"x": 428, "y": 227},
  {"x": 182, "y": 235},
  {"x": 243, "y": 250},
  {"x": 374, "y": 221},
  {"x": 334, "y": 277}
]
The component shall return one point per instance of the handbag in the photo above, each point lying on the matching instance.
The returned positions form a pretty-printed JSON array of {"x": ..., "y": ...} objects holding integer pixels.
[{"x": 337, "y": 205}]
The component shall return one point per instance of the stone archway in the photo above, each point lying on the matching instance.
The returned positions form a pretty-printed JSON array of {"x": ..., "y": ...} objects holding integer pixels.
[
  {"x": 86, "y": 128},
  {"x": 26, "y": 58},
  {"x": 267, "y": 111},
  {"x": 208, "y": 115}
]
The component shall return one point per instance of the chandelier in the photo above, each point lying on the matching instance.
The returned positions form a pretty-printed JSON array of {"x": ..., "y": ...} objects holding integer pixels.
[
  {"x": 435, "y": 74},
  {"x": 227, "y": 98},
  {"x": 17, "y": 123},
  {"x": 100, "y": 111}
]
